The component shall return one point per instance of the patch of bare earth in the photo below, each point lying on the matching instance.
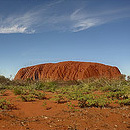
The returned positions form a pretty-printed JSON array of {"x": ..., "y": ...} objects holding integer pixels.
[{"x": 48, "y": 115}]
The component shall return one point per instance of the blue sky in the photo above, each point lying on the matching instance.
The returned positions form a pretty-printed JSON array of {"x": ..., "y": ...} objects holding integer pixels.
[{"x": 41, "y": 31}]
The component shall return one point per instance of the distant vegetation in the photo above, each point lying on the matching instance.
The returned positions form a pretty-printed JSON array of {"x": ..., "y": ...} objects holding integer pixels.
[{"x": 89, "y": 93}]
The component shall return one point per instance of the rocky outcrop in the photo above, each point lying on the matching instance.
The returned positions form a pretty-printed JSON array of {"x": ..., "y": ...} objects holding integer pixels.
[{"x": 69, "y": 70}]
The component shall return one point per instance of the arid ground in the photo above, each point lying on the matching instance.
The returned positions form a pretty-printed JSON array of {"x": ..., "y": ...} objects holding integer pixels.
[{"x": 48, "y": 115}]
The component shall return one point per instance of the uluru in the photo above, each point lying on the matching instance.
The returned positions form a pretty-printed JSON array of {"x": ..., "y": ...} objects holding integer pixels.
[{"x": 68, "y": 70}]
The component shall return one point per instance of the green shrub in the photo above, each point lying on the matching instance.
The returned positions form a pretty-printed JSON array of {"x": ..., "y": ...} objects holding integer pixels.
[
  {"x": 58, "y": 98},
  {"x": 82, "y": 102},
  {"x": 72, "y": 107},
  {"x": 4, "y": 81},
  {"x": 128, "y": 78},
  {"x": 46, "y": 86},
  {"x": 27, "y": 98},
  {"x": 115, "y": 95},
  {"x": 2, "y": 92},
  {"x": 124, "y": 102},
  {"x": 5, "y": 104},
  {"x": 44, "y": 103},
  {"x": 17, "y": 91},
  {"x": 38, "y": 95},
  {"x": 20, "y": 91},
  {"x": 93, "y": 100}
]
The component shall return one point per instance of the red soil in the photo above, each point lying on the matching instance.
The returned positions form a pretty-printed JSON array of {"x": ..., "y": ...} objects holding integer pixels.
[
  {"x": 53, "y": 116},
  {"x": 69, "y": 70}
]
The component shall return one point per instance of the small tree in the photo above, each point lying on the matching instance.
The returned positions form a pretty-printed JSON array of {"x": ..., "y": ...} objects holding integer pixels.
[
  {"x": 123, "y": 77},
  {"x": 4, "y": 80},
  {"x": 128, "y": 78}
]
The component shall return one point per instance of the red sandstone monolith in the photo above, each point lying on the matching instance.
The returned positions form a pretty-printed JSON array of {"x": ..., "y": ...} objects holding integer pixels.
[{"x": 68, "y": 70}]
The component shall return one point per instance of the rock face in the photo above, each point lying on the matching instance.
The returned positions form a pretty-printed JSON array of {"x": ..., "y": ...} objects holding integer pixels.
[{"x": 68, "y": 70}]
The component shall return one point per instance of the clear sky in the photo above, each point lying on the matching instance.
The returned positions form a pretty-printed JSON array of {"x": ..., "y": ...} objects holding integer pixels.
[{"x": 41, "y": 31}]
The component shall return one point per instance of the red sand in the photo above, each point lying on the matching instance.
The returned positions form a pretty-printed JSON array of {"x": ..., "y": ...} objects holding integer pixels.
[{"x": 53, "y": 116}]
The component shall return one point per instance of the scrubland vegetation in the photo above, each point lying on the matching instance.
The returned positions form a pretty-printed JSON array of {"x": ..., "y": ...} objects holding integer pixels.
[
  {"x": 89, "y": 93},
  {"x": 98, "y": 104}
]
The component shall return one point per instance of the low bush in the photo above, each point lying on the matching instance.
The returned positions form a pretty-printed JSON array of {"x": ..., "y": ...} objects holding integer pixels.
[
  {"x": 27, "y": 98},
  {"x": 93, "y": 100},
  {"x": 124, "y": 102},
  {"x": 2, "y": 92},
  {"x": 46, "y": 86},
  {"x": 58, "y": 98},
  {"x": 5, "y": 104},
  {"x": 38, "y": 94},
  {"x": 115, "y": 95},
  {"x": 20, "y": 91}
]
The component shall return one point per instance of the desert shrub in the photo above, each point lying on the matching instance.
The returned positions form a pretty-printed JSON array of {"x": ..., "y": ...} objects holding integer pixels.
[
  {"x": 4, "y": 81},
  {"x": 38, "y": 94},
  {"x": 82, "y": 102},
  {"x": 39, "y": 85},
  {"x": 101, "y": 101},
  {"x": 72, "y": 107},
  {"x": 44, "y": 103},
  {"x": 95, "y": 84},
  {"x": 124, "y": 102},
  {"x": 107, "y": 88},
  {"x": 122, "y": 77},
  {"x": 62, "y": 90},
  {"x": 5, "y": 104},
  {"x": 128, "y": 78},
  {"x": 58, "y": 98},
  {"x": 93, "y": 100},
  {"x": 2, "y": 92},
  {"x": 115, "y": 95},
  {"x": 50, "y": 86},
  {"x": 46, "y": 86},
  {"x": 74, "y": 95},
  {"x": 2, "y": 86},
  {"x": 27, "y": 98},
  {"x": 126, "y": 90},
  {"x": 84, "y": 98},
  {"x": 19, "y": 91}
]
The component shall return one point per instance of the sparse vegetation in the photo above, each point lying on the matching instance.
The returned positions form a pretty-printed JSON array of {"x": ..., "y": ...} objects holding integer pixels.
[
  {"x": 91, "y": 92},
  {"x": 5, "y": 104},
  {"x": 70, "y": 97},
  {"x": 2, "y": 92},
  {"x": 124, "y": 102},
  {"x": 27, "y": 98},
  {"x": 38, "y": 94},
  {"x": 44, "y": 103},
  {"x": 20, "y": 91},
  {"x": 58, "y": 98}
]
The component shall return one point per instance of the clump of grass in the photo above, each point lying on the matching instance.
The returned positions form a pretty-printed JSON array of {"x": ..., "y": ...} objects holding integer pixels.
[
  {"x": 124, "y": 102},
  {"x": 58, "y": 98},
  {"x": 72, "y": 107},
  {"x": 99, "y": 101},
  {"x": 5, "y": 104},
  {"x": 2, "y": 92},
  {"x": 27, "y": 98},
  {"x": 38, "y": 94},
  {"x": 17, "y": 91},
  {"x": 44, "y": 103},
  {"x": 115, "y": 95},
  {"x": 93, "y": 100},
  {"x": 20, "y": 91},
  {"x": 46, "y": 86}
]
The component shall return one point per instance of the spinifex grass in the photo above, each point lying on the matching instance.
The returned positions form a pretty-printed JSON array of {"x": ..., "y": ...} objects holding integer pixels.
[
  {"x": 5, "y": 104},
  {"x": 91, "y": 92}
]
